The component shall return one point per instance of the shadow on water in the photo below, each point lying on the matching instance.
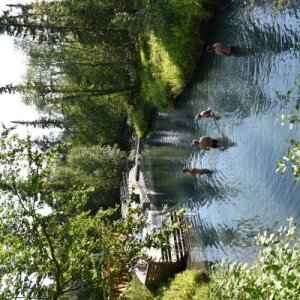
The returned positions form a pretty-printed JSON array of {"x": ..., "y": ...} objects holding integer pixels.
[
  {"x": 241, "y": 233},
  {"x": 225, "y": 143},
  {"x": 206, "y": 192},
  {"x": 239, "y": 51}
]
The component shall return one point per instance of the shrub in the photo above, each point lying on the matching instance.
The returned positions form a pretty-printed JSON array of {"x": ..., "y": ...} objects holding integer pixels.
[
  {"x": 274, "y": 275},
  {"x": 135, "y": 290},
  {"x": 188, "y": 285},
  {"x": 98, "y": 168}
]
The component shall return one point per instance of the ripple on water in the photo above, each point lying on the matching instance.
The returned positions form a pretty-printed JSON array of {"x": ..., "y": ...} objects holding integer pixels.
[{"x": 244, "y": 195}]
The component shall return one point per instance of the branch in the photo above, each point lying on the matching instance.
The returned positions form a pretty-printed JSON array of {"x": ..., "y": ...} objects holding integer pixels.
[{"x": 55, "y": 261}]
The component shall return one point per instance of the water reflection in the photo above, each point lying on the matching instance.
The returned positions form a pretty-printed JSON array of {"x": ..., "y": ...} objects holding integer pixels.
[
  {"x": 208, "y": 192},
  {"x": 237, "y": 237},
  {"x": 244, "y": 195}
]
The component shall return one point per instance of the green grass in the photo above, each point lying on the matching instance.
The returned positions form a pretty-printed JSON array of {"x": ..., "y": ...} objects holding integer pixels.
[
  {"x": 170, "y": 47},
  {"x": 135, "y": 290},
  {"x": 188, "y": 285},
  {"x": 141, "y": 115}
]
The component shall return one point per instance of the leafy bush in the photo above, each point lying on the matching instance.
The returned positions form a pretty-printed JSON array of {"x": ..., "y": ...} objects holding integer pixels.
[
  {"x": 292, "y": 158},
  {"x": 98, "y": 168},
  {"x": 187, "y": 285},
  {"x": 135, "y": 290},
  {"x": 274, "y": 275}
]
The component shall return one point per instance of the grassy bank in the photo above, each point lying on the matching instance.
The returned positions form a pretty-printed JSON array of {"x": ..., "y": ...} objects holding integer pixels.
[{"x": 170, "y": 47}]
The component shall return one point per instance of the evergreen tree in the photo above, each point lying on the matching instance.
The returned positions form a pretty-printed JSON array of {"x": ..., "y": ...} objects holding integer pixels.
[
  {"x": 9, "y": 88},
  {"x": 55, "y": 21},
  {"x": 43, "y": 122}
]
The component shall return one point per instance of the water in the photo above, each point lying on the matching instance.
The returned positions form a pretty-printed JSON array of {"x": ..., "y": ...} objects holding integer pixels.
[{"x": 245, "y": 195}]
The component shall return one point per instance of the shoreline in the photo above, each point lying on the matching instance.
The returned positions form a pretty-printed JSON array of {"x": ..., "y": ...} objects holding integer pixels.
[{"x": 169, "y": 56}]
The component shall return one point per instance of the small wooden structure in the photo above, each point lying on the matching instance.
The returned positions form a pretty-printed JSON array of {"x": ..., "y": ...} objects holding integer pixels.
[{"x": 161, "y": 263}]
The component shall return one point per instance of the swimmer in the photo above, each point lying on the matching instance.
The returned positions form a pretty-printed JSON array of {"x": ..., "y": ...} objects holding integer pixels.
[
  {"x": 220, "y": 49},
  {"x": 208, "y": 113},
  {"x": 195, "y": 171},
  {"x": 206, "y": 143}
]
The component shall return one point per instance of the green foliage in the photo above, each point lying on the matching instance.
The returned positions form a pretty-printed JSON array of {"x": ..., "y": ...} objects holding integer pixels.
[
  {"x": 135, "y": 290},
  {"x": 141, "y": 117},
  {"x": 202, "y": 292},
  {"x": 274, "y": 274},
  {"x": 188, "y": 285},
  {"x": 47, "y": 240},
  {"x": 50, "y": 247},
  {"x": 87, "y": 55},
  {"x": 170, "y": 48},
  {"x": 95, "y": 120},
  {"x": 292, "y": 158},
  {"x": 98, "y": 168}
]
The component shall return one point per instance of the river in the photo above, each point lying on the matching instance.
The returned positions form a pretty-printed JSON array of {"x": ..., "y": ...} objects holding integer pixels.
[{"x": 244, "y": 195}]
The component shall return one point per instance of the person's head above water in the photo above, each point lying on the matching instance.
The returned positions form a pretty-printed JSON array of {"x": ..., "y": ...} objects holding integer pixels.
[{"x": 195, "y": 142}]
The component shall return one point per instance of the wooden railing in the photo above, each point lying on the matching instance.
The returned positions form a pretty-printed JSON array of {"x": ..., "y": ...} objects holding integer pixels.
[
  {"x": 178, "y": 244},
  {"x": 124, "y": 188},
  {"x": 144, "y": 195}
]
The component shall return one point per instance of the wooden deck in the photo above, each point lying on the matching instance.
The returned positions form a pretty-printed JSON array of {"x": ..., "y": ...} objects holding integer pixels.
[
  {"x": 134, "y": 190},
  {"x": 164, "y": 262},
  {"x": 167, "y": 261}
]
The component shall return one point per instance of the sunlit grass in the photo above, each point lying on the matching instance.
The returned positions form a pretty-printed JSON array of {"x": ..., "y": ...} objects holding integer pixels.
[
  {"x": 135, "y": 290},
  {"x": 169, "y": 50},
  {"x": 188, "y": 285},
  {"x": 163, "y": 78}
]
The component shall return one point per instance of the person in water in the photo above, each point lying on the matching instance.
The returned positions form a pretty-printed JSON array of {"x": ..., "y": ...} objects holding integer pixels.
[
  {"x": 220, "y": 49},
  {"x": 206, "y": 143},
  {"x": 195, "y": 171},
  {"x": 208, "y": 113}
]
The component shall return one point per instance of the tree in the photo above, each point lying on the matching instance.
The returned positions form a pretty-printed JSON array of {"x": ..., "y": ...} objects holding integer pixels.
[
  {"x": 55, "y": 21},
  {"x": 45, "y": 142},
  {"x": 50, "y": 247},
  {"x": 99, "y": 168},
  {"x": 82, "y": 61},
  {"x": 8, "y": 88},
  {"x": 274, "y": 274},
  {"x": 43, "y": 122},
  {"x": 50, "y": 97},
  {"x": 95, "y": 120},
  {"x": 67, "y": 74},
  {"x": 47, "y": 240}
]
